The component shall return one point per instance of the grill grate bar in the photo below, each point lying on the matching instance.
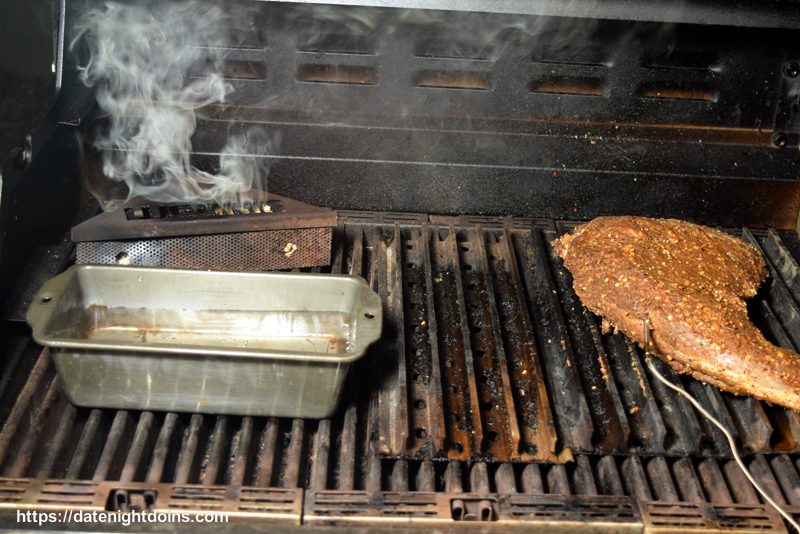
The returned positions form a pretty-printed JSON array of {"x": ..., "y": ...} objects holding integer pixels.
[
  {"x": 240, "y": 451},
  {"x": 622, "y": 439},
  {"x": 557, "y": 481},
  {"x": 754, "y": 427},
  {"x": 782, "y": 262},
  {"x": 538, "y": 427},
  {"x": 138, "y": 446},
  {"x": 788, "y": 478},
  {"x": 532, "y": 480},
  {"x": 625, "y": 368},
  {"x": 164, "y": 446},
  {"x": 215, "y": 452},
  {"x": 319, "y": 456},
  {"x": 32, "y": 433},
  {"x": 714, "y": 482},
  {"x": 661, "y": 480},
  {"x": 465, "y": 427},
  {"x": 687, "y": 481},
  {"x": 574, "y": 419},
  {"x": 266, "y": 458},
  {"x": 46, "y": 463},
  {"x": 788, "y": 309},
  {"x": 377, "y": 279},
  {"x": 677, "y": 412},
  {"x": 393, "y": 421},
  {"x": 188, "y": 459},
  {"x": 584, "y": 478},
  {"x": 28, "y": 400},
  {"x": 420, "y": 361},
  {"x": 426, "y": 477},
  {"x": 609, "y": 431},
  {"x": 500, "y": 432},
  {"x": 347, "y": 449},
  {"x": 609, "y": 476},
  {"x": 433, "y": 405},
  {"x": 498, "y": 362},
  {"x": 88, "y": 446},
  {"x": 399, "y": 476},
  {"x": 118, "y": 436},
  {"x": 760, "y": 469},
  {"x": 294, "y": 455},
  {"x": 453, "y": 482},
  {"x": 741, "y": 489},
  {"x": 635, "y": 478},
  {"x": 713, "y": 401}
]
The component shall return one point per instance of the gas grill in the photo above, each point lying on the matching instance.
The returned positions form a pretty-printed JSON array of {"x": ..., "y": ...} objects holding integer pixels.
[{"x": 455, "y": 146}]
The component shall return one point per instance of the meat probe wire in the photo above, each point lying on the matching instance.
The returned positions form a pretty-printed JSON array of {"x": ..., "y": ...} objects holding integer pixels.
[{"x": 731, "y": 443}]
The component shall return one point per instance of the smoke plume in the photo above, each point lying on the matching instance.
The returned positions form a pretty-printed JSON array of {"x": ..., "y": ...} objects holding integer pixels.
[{"x": 152, "y": 66}]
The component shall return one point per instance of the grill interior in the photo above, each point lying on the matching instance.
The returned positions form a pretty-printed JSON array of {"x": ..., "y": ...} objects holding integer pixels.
[
  {"x": 493, "y": 395},
  {"x": 489, "y": 375}
]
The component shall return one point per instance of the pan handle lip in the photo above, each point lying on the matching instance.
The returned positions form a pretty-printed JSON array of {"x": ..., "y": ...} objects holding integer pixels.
[
  {"x": 46, "y": 302},
  {"x": 369, "y": 317}
]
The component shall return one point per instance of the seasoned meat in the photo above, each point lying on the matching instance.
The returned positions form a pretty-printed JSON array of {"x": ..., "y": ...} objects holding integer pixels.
[{"x": 690, "y": 283}]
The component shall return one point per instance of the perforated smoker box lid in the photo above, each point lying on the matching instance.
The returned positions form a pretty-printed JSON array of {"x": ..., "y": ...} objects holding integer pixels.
[
  {"x": 140, "y": 218},
  {"x": 266, "y": 232}
]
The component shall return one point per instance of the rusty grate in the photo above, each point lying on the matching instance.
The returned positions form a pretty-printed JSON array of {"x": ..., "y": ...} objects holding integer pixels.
[{"x": 432, "y": 425}]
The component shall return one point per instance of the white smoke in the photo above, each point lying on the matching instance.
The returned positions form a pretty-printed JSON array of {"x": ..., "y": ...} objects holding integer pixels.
[{"x": 152, "y": 66}]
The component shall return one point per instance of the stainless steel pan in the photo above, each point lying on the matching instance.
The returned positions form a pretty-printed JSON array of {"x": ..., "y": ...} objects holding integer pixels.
[{"x": 277, "y": 344}]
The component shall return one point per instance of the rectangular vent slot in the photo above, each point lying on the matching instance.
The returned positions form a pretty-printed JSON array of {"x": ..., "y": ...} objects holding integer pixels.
[
  {"x": 671, "y": 91},
  {"x": 684, "y": 59},
  {"x": 337, "y": 43},
  {"x": 196, "y": 506},
  {"x": 589, "y": 61},
  {"x": 341, "y": 499},
  {"x": 344, "y": 74},
  {"x": 565, "y": 85},
  {"x": 588, "y": 56},
  {"x": 264, "y": 509},
  {"x": 232, "y": 69},
  {"x": 476, "y": 81},
  {"x": 240, "y": 69},
  {"x": 201, "y": 211},
  {"x": 452, "y": 49}
]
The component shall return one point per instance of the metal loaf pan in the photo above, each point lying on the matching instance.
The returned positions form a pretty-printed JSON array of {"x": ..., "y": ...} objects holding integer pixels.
[{"x": 277, "y": 344}]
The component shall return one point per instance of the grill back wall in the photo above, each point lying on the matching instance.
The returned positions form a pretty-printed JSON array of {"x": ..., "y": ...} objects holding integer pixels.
[{"x": 446, "y": 112}]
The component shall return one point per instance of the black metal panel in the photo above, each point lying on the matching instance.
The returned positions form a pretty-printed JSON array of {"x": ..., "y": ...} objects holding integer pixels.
[
  {"x": 774, "y": 14},
  {"x": 556, "y": 116}
]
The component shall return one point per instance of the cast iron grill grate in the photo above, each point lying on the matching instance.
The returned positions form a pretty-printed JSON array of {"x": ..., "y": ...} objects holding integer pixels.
[{"x": 488, "y": 362}]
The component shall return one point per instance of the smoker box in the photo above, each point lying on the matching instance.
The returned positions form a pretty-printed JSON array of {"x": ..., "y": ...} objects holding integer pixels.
[
  {"x": 285, "y": 234},
  {"x": 212, "y": 342}
]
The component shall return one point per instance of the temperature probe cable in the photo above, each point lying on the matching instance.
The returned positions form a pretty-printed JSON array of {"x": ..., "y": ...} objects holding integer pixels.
[{"x": 649, "y": 360}]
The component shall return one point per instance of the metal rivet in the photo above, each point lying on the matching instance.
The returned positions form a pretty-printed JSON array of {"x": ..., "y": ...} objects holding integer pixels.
[
  {"x": 779, "y": 139},
  {"x": 25, "y": 155}
]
